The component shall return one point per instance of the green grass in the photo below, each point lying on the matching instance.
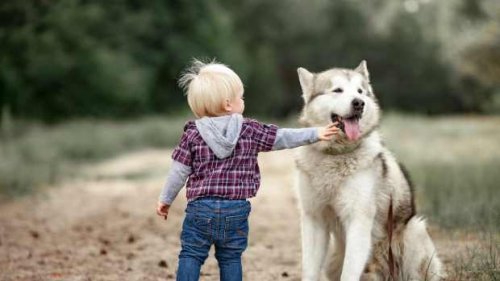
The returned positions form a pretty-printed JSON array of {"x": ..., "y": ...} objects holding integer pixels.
[
  {"x": 34, "y": 155},
  {"x": 455, "y": 165},
  {"x": 461, "y": 195}
]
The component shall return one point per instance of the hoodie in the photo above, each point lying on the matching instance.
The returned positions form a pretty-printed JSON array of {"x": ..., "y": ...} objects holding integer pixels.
[{"x": 220, "y": 133}]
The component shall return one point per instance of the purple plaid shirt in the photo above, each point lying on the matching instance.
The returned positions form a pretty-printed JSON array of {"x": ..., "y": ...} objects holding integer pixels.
[{"x": 234, "y": 177}]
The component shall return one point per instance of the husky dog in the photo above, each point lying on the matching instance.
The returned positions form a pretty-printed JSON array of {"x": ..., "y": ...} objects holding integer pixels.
[{"x": 357, "y": 203}]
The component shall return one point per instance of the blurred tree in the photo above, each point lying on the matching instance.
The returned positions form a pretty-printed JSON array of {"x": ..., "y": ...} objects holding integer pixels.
[
  {"x": 472, "y": 10},
  {"x": 56, "y": 67},
  {"x": 76, "y": 58},
  {"x": 479, "y": 64},
  {"x": 112, "y": 58}
]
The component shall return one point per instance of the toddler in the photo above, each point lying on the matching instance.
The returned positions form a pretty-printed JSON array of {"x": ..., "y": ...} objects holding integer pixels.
[{"x": 217, "y": 155}]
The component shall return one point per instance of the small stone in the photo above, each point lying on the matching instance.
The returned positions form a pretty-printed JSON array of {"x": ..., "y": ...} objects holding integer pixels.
[
  {"x": 34, "y": 234},
  {"x": 56, "y": 275},
  {"x": 163, "y": 263},
  {"x": 284, "y": 274},
  {"x": 104, "y": 241},
  {"x": 103, "y": 252},
  {"x": 131, "y": 239}
]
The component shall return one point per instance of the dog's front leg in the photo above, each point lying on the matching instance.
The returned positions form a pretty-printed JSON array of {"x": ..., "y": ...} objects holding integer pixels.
[
  {"x": 358, "y": 245},
  {"x": 315, "y": 240},
  {"x": 357, "y": 215}
]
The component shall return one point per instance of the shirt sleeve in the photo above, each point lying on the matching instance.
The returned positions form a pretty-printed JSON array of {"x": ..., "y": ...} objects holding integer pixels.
[
  {"x": 182, "y": 153},
  {"x": 263, "y": 135},
  {"x": 176, "y": 179},
  {"x": 291, "y": 138}
]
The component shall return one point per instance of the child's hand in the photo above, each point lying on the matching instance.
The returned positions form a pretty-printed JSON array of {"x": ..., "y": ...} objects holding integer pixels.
[
  {"x": 327, "y": 133},
  {"x": 162, "y": 210}
]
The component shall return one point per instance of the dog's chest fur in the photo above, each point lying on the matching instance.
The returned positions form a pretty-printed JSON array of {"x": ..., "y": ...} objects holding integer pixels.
[
  {"x": 334, "y": 169},
  {"x": 331, "y": 171}
]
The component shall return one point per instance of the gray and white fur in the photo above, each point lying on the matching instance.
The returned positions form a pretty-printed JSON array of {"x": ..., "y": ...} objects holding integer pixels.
[{"x": 346, "y": 188}]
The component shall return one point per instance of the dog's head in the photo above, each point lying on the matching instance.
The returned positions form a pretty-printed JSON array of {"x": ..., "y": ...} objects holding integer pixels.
[{"x": 342, "y": 95}]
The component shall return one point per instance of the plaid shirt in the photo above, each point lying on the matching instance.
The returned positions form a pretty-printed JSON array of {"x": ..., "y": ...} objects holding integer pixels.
[{"x": 234, "y": 177}]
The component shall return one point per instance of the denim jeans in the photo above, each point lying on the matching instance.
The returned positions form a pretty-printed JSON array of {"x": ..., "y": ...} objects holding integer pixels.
[{"x": 221, "y": 222}]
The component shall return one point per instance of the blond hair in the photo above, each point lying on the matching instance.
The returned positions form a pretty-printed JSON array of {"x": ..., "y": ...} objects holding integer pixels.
[{"x": 208, "y": 86}]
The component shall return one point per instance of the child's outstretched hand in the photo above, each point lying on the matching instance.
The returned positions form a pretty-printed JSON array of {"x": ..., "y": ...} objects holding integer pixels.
[
  {"x": 327, "y": 133},
  {"x": 162, "y": 210}
]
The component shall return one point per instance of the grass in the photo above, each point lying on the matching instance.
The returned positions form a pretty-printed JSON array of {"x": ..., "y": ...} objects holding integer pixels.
[
  {"x": 454, "y": 161},
  {"x": 461, "y": 195},
  {"x": 35, "y": 155},
  {"x": 478, "y": 263},
  {"x": 455, "y": 165}
]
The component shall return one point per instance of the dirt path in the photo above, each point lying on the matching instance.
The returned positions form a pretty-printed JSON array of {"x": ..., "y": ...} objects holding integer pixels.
[{"x": 102, "y": 226}]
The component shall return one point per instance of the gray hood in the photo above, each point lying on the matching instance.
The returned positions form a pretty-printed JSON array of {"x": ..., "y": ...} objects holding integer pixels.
[{"x": 221, "y": 133}]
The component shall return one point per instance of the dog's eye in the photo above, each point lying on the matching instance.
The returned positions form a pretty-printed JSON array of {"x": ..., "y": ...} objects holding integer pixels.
[
  {"x": 360, "y": 91},
  {"x": 338, "y": 90}
]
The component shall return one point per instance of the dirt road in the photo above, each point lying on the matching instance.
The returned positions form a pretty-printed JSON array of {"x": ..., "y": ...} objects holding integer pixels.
[{"x": 102, "y": 226}]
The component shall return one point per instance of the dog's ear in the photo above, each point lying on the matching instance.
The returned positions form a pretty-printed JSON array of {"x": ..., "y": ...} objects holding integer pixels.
[
  {"x": 306, "y": 82},
  {"x": 363, "y": 70}
]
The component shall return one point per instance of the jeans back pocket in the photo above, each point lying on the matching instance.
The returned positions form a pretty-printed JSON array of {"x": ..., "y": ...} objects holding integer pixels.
[
  {"x": 196, "y": 230},
  {"x": 236, "y": 231}
]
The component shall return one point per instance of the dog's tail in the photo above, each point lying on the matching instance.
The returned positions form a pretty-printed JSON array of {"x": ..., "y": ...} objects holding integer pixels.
[{"x": 419, "y": 256}]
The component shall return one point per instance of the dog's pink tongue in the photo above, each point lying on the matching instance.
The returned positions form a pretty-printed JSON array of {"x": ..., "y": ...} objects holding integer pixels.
[{"x": 352, "y": 129}]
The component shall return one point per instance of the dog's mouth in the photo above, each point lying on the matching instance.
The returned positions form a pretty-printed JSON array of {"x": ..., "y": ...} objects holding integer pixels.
[{"x": 348, "y": 124}]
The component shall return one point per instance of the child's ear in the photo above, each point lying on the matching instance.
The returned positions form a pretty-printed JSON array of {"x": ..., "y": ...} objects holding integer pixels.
[{"x": 227, "y": 105}]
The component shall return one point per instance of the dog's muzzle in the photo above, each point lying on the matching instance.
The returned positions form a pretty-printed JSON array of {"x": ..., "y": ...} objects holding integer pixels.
[
  {"x": 350, "y": 124},
  {"x": 357, "y": 106}
]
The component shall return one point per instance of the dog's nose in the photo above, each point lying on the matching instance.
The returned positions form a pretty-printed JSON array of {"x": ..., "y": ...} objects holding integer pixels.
[{"x": 358, "y": 104}]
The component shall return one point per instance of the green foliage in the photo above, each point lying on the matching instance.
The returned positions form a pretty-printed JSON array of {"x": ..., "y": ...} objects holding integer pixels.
[
  {"x": 74, "y": 58},
  {"x": 94, "y": 58}
]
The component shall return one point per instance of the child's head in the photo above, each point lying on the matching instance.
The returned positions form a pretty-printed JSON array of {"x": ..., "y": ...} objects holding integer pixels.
[{"x": 212, "y": 89}]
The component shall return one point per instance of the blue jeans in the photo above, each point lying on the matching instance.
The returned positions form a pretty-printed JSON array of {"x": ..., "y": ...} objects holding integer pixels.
[{"x": 221, "y": 222}]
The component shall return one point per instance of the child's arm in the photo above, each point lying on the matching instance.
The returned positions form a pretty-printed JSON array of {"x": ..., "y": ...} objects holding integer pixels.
[
  {"x": 179, "y": 172},
  {"x": 291, "y": 138},
  {"x": 176, "y": 179}
]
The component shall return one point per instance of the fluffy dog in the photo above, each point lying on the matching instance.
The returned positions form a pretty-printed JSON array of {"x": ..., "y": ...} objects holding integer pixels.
[{"x": 357, "y": 203}]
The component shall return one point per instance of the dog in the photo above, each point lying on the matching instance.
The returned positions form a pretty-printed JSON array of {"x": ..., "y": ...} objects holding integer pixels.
[{"x": 357, "y": 203}]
